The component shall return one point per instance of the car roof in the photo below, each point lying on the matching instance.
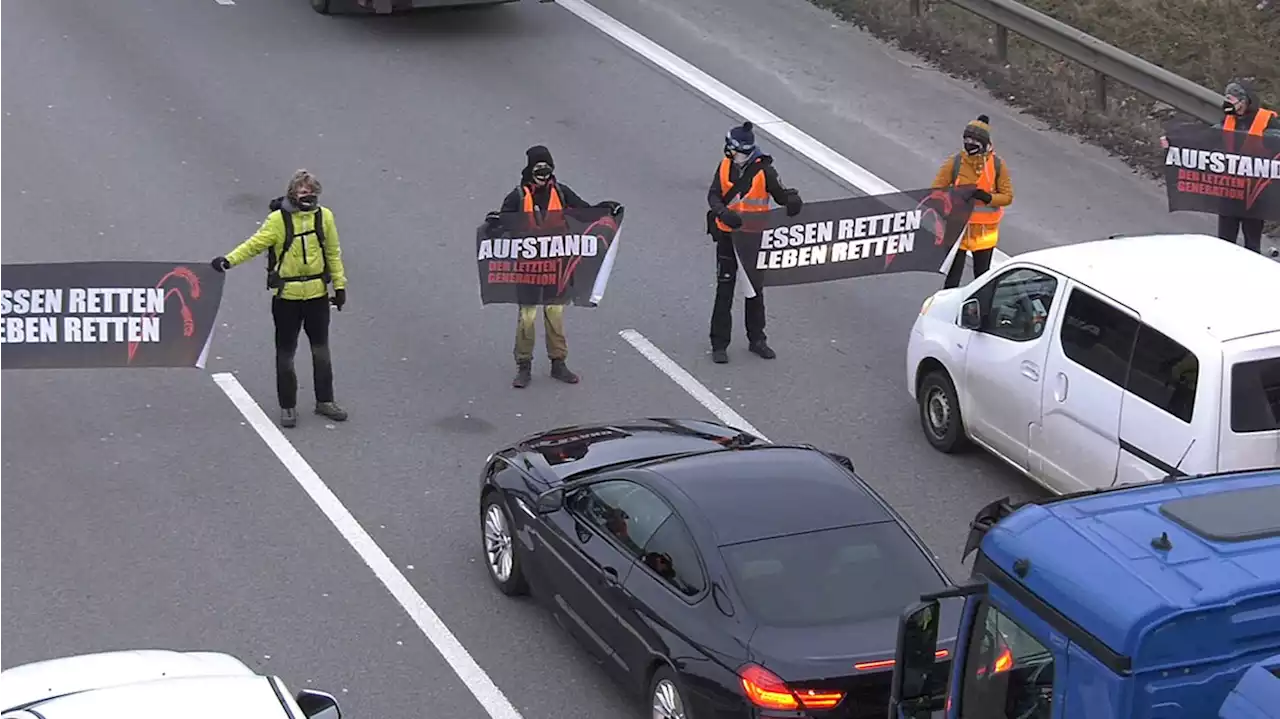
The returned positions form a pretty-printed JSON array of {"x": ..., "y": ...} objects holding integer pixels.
[
  {"x": 1197, "y": 282},
  {"x": 213, "y": 697},
  {"x": 769, "y": 491},
  {"x": 1209, "y": 594}
]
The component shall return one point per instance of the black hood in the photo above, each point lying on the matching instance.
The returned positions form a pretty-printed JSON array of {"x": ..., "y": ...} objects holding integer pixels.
[{"x": 1250, "y": 94}]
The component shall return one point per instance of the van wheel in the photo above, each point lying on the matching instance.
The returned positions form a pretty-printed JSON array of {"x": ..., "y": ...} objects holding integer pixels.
[
  {"x": 940, "y": 413},
  {"x": 320, "y": 6}
]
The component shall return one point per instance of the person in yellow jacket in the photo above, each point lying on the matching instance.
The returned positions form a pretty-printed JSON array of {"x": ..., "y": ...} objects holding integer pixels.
[
  {"x": 301, "y": 239},
  {"x": 977, "y": 165}
]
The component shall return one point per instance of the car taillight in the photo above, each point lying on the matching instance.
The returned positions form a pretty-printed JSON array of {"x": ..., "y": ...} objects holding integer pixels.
[{"x": 767, "y": 691}]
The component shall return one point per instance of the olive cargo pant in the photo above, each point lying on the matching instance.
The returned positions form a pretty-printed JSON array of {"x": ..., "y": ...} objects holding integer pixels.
[{"x": 527, "y": 332}]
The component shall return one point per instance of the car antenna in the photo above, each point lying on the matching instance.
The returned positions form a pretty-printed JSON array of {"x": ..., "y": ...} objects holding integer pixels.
[{"x": 1177, "y": 469}]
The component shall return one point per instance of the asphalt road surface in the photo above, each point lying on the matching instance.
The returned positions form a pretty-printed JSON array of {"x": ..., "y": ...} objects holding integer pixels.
[{"x": 140, "y": 508}]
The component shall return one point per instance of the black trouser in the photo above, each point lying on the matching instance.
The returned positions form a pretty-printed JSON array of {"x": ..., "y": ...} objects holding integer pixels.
[
  {"x": 291, "y": 317},
  {"x": 1229, "y": 227},
  {"x": 722, "y": 311},
  {"x": 981, "y": 263}
]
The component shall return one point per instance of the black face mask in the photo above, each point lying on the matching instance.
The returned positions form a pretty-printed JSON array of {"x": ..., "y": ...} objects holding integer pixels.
[
  {"x": 972, "y": 147},
  {"x": 306, "y": 203}
]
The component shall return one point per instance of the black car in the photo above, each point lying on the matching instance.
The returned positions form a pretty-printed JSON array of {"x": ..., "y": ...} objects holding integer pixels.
[{"x": 716, "y": 573}]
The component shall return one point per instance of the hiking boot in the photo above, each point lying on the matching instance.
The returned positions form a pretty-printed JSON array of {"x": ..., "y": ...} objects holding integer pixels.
[
  {"x": 762, "y": 348},
  {"x": 720, "y": 356},
  {"x": 560, "y": 371},
  {"x": 288, "y": 417},
  {"x": 332, "y": 411},
  {"x": 522, "y": 378}
]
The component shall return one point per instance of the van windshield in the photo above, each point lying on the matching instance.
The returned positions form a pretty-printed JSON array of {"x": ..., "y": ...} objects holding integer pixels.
[{"x": 1255, "y": 396}]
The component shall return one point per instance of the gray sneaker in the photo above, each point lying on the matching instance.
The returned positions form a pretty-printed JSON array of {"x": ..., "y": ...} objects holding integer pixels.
[
  {"x": 332, "y": 411},
  {"x": 288, "y": 418}
]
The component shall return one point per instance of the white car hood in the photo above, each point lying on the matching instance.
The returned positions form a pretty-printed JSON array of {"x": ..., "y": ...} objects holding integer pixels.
[
  {"x": 946, "y": 303},
  {"x": 36, "y": 681}
]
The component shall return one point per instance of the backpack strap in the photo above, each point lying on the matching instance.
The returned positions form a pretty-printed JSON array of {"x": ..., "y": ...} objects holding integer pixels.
[
  {"x": 744, "y": 180},
  {"x": 955, "y": 167},
  {"x": 274, "y": 263}
]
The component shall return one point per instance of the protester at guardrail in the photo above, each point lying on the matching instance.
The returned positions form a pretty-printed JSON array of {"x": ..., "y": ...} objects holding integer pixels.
[
  {"x": 977, "y": 165},
  {"x": 1243, "y": 112},
  {"x": 539, "y": 194},
  {"x": 744, "y": 182},
  {"x": 304, "y": 257}
]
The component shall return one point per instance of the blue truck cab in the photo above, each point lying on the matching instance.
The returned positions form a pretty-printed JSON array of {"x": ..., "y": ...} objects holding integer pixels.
[{"x": 1151, "y": 601}]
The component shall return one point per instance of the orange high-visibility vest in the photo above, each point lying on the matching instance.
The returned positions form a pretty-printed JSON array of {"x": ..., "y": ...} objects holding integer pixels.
[
  {"x": 553, "y": 203},
  {"x": 1260, "y": 122},
  {"x": 983, "y": 230},
  {"x": 755, "y": 199},
  {"x": 1256, "y": 128}
]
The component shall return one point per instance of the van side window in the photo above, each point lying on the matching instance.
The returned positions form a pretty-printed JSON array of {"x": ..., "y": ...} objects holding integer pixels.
[
  {"x": 1255, "y": 396},
  {"x": 1017, "y": 304},
  {"x": 1164, "y": 373},
  {"x": 1098, "y": 337}
]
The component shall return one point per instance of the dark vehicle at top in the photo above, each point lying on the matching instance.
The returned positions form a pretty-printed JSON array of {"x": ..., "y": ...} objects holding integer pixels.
[{"x": 710, "y": 571}]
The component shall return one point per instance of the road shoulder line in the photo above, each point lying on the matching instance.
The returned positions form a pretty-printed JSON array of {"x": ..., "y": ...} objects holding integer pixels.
[{"x": 433, "y": 628}]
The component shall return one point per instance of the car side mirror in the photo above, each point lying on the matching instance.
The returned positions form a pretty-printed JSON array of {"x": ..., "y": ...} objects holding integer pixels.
[
  {"x": 915, "y": 688},
  {"x": 318, "y": 705},
  {"x": 550, "y": 500},
  {"x": 971, "y": 315}
]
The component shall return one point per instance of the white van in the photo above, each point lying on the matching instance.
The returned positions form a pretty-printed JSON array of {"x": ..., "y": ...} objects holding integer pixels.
[{"x": 1108, "y": 362}]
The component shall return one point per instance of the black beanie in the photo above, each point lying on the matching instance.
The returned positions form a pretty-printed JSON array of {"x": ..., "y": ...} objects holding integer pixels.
[{"x": 536, "y": 154}]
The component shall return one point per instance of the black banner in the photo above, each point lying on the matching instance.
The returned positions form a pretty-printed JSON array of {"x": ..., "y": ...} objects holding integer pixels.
[
  {"x": 910, "y": 231},
  {"x": 566, "y": 258},
  {"x": 1211, "y": 170},
  {"x": 107, "y": 314}
]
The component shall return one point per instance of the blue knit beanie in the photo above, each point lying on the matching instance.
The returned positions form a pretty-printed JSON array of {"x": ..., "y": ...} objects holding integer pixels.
[{"x": 741, "y": 138}]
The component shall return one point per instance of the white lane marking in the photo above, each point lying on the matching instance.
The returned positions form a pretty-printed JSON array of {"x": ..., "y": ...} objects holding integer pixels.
[
  {"x": 225, "y": 2},
  {"x": 737, "y": 103},
  {"x": 475, "y": 678},
  {"x": 693, "y": 387}
]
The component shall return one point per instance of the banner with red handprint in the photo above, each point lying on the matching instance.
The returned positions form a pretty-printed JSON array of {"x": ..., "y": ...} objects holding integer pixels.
[
  {"x": 565, "y": 257},
  {"x": 1211, "y": 170},
  {"x": 107, "y": 314},
  {"x": 910, "y": 231}
]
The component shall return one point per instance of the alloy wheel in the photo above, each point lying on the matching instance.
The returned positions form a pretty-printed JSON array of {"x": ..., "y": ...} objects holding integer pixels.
[
  {"x": 667, "y": 703},
  {"x": 497, "y": 543}
]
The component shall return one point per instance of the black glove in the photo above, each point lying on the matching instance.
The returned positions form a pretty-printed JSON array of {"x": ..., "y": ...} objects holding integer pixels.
[
  {"x": 339, "y": 299},
  {"x": 731, "y": 218},
  {"x": 220, "y": 264},
  {"x": 493, "y": 219},
  {"x": 794, "y": 203},
  {"x": 981, "y": 195}
]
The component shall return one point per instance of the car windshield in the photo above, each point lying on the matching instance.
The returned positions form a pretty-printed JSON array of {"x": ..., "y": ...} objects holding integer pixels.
[{"x": 831, "y": 576}]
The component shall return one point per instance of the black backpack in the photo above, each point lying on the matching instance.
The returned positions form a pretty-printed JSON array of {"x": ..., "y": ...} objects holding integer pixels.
[{"x": 274, "y": 280}]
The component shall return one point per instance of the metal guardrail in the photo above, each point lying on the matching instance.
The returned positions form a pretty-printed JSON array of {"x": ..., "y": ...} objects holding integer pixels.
[{"x": 1105, "y": 60}]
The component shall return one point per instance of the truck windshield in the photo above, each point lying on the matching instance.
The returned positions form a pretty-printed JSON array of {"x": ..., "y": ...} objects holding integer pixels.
[{"x": 1008, "y": 673}]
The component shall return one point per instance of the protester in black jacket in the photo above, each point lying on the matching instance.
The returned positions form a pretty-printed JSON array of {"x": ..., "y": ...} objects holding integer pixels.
[
  {"x": 538, "y": 194},
  {"x": 741, "y": 156},
  {"x": 1243, "y": 112}
]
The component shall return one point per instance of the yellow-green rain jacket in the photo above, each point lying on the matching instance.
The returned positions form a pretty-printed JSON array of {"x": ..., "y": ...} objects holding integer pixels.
[{"x": 304, "y": 257}]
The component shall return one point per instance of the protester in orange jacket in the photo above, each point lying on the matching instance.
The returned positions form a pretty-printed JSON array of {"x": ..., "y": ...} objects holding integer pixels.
[{"x": 977, "y": 165}]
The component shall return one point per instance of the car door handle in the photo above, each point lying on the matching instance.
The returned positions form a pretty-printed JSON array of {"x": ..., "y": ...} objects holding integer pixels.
[
  {"x": 1030, "y": 370},
  {"x": 610, "y": 577}
]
